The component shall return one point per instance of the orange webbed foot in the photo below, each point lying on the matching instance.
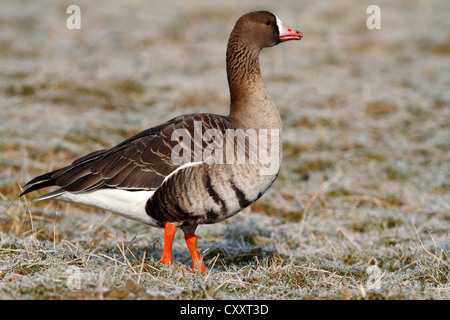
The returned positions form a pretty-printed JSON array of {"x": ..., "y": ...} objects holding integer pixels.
[
  {"x": 169, "y": 234},
  {"x": 197, "y": 264}
]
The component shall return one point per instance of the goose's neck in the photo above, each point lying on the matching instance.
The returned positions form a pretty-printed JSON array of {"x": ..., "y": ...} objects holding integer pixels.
[
  {"x": 251, "y": 104},
  {"x": 242, "y": 67}
]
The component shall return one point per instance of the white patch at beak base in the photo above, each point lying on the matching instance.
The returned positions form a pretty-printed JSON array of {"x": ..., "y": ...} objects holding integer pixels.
[{"x": 280, "y": 25}]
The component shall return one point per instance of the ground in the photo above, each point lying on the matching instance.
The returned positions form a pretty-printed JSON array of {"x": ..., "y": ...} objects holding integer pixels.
[{"x": 360, "y": 209}]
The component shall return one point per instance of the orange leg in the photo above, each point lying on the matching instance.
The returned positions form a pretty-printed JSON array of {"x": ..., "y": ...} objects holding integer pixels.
[
  {"x": 191, "y": 241},
  {"x": 169, "y": 234}
]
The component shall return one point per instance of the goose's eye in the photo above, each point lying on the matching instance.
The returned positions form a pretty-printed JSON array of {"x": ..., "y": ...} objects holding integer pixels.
[{"x": 267, "y": 22}]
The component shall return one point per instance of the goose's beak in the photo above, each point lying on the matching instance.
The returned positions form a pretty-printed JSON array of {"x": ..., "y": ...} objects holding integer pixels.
[
  {"x": 286, "y": 34},
  {"x": 290, "y": 34}
]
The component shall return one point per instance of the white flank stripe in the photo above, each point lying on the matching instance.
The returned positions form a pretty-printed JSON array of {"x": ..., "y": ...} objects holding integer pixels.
[{"x": 184, "y": 166}]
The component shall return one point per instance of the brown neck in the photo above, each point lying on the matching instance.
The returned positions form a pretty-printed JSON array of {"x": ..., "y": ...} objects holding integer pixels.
[
  {"x": 242, "y": 70},
  {"x": 251, "y": 104}
]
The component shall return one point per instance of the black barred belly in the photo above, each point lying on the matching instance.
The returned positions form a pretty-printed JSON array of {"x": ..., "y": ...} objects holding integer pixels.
[{"x": 205, "y": 195}]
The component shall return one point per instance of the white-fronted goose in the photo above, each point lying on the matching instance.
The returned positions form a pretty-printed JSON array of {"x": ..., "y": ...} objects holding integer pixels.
[{"x": 196, "y": 168}]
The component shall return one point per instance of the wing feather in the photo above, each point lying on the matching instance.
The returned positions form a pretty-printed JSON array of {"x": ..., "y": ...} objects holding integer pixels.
[{"x": 140, "y": 162}]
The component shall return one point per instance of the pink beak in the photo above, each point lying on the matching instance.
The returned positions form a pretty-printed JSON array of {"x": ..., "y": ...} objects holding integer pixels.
[{"x": 286, "y": 33}]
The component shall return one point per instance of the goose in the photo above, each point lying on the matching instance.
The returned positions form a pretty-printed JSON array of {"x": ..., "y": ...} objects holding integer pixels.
[{"x": 198, "y": 168}]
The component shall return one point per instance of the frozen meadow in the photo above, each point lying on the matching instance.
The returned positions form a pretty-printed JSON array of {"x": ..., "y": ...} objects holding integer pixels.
[{"x": 360, "y": 210}]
